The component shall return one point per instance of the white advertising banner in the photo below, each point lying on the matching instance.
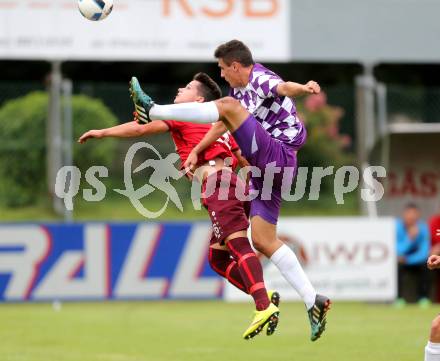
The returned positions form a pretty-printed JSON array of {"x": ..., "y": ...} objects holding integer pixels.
[
  {"x": 153, "y": 30},
  {"x": 345, "y": 258}
]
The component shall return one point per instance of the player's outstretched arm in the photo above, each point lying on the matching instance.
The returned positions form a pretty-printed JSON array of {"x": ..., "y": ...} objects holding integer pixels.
[
  {"x": 433, "y": 261},
  {"x": 242, "y": 161},
  {"x": 293, "y": 90},
  {"x": 216, "y": 131},
  {"x": 126, "y": 130}
]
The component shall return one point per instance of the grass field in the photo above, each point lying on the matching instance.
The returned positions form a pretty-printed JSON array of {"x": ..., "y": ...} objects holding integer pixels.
[
  {"x": 192, "y": 331},
  {"x": 120, "y": 209}
]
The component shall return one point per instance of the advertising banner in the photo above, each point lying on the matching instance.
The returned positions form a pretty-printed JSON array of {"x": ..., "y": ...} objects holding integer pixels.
[
  {"x": 137, "y": 30},
  {"x": 345, "y": 258},
  {"x": 413, "y": 174},
  {"x": 97, "y": 261}
]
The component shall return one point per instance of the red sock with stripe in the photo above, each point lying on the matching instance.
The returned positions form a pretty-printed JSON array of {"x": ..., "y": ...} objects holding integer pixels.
[
  {"x": 250, "y": 270},
  {"x": 222, "y": 263}
]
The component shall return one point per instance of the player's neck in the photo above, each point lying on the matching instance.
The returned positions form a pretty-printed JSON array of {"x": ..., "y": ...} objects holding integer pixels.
[{"x": 245, "y": 75}]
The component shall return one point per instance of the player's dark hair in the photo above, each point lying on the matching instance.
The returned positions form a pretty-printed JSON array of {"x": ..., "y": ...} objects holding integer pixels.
[
  {"x": 234, "y": 50},
  {"x": 208, "y": 88}
]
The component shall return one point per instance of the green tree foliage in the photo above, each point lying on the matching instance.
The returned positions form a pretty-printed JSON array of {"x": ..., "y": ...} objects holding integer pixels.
[
  {"x": 23, "y": 144},
  {"x": 325, "y": 145}
]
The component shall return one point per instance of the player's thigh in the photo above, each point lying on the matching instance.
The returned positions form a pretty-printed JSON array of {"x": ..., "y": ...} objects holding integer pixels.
[
  {"x": 260, "y": 148},
  {"x": 218, "y": 246},
  {"x": 264, "y": 235},
  {"x": 227, "y": 213}
]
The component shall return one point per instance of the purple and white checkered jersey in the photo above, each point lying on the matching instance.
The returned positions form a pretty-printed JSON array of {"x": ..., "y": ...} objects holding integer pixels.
[{"x": 277, "y": 114}]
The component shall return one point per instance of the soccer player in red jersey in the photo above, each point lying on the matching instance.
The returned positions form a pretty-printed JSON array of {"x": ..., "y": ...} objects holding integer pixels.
[
  {"x": 230, "y": 252},
  {"x": 434, "y": 226}
]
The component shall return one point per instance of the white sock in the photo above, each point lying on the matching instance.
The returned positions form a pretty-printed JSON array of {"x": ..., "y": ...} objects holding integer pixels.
[
  {"x": 186, "y": 112},
  {"x": 432, "y": 351},
  {"x": 285, "y": 259}
]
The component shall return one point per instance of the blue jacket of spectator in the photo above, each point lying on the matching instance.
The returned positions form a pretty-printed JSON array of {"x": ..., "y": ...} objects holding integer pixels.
[{"x": 415, "y": 251}]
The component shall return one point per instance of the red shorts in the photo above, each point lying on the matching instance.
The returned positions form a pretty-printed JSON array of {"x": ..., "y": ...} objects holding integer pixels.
[{"x": 228, "y": 214}]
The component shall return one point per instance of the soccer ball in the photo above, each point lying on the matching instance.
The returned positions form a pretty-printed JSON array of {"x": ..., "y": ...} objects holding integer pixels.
[{"x": 95, "y": 9}]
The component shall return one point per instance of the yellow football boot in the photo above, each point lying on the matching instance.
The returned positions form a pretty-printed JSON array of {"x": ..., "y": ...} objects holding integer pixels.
[
  {"x": 274, "y": 297},
  {"x": 261, "y": 318}
]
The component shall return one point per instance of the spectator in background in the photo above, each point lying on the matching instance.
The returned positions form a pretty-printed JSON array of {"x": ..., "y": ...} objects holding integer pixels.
[{"x": 413, "y": 245}]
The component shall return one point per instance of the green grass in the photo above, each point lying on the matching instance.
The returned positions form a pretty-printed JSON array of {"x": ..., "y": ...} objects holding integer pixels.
[
  {"x": 119, "y": 208},
  {"x": 206, "y": 331}
]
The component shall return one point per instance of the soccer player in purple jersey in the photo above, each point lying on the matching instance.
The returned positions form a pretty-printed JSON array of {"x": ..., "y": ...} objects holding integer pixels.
[
  {"x": 261, "y": 114},
  {"x": 230, "y": 252}
]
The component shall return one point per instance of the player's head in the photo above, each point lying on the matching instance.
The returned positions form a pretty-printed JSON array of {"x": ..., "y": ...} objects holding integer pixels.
[
  {"x": 234, "y": 59},
  {"x": 411, "y": 214},
  {"x": 201, "y": 89}
]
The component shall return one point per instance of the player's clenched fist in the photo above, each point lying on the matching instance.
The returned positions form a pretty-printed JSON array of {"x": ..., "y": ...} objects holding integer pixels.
[
  {"x": 433, "y": 262},
  {"x": 312, "y": 87}
]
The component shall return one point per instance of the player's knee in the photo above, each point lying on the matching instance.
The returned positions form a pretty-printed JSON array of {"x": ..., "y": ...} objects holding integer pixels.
[
  {"x": 213, "y": 262},
  {"x": 435, "y": 328},
  {"x": 217, "y": 257},
  {"x": 259, "y": 244},
  {"x": 211, "y": 258},
  {"x": 228, "y": 105}
]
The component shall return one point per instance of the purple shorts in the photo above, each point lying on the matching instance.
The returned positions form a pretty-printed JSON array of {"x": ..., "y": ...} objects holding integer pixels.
[{"x": 261, "y": 149}]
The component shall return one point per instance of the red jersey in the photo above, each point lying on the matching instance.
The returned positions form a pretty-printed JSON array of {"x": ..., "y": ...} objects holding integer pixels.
[
  {"x": 187, "y": 135},
  {"x": 434, "y": 225}
]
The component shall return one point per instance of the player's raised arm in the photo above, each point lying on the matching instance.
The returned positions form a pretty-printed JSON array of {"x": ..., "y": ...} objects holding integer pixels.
[
  {"x": 216, "y": 131},
  {"x": 293, "y": 90},
  {"x": 126, "y": 130}
]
